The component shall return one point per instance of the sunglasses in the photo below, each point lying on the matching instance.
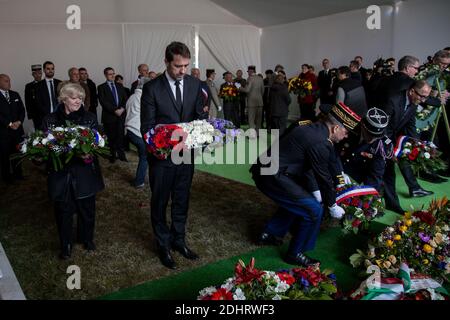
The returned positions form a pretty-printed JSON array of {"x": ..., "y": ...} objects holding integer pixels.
[{"x": 422, "y": 97}]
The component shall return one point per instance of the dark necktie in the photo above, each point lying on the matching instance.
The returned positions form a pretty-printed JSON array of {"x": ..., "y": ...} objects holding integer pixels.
[
  {"x": 7, "y": 96},
  {"x": 53, "y": 97},
  {"x": 113, "y": 89},
  {"x": 178, "y": 94}
]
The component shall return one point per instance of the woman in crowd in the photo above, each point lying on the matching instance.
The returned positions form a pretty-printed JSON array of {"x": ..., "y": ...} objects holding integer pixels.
[{"x": 73, "y": 188}]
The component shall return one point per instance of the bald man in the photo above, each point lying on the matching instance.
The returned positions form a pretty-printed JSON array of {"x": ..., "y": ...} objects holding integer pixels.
[{"x": 12, "y": 115}]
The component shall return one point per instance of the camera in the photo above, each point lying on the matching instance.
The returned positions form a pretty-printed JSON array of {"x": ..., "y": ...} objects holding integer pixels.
[{"x": 383, "y": 67}]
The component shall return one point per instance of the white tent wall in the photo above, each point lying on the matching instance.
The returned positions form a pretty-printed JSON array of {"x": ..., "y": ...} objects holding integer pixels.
[
  {"x": 409, "y": 27},
  {"x": 94, "y": 47},
  {"x": 36, "y": 31},
  {"x": 421, "y": 28},
  {"x": 339, "y": 37}
]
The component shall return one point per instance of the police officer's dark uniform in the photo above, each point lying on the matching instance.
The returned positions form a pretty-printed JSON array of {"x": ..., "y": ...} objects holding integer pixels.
[{"x": 306, "y": 149}]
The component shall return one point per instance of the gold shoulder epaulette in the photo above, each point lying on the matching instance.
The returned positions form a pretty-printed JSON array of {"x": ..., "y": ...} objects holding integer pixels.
[{"x": 304, "y": 122}]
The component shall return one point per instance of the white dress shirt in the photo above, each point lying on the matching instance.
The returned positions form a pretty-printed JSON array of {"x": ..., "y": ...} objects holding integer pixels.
[
  {"x": 47, "y": 80},
  {"x": 174, "y": 87}
]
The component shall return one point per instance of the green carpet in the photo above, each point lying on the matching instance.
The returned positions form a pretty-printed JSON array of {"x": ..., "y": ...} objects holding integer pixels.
[{"x": 333, "y": 248}]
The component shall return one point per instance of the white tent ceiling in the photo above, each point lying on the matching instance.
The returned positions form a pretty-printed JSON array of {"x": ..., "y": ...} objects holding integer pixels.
[{"x": 261, "y": 13}]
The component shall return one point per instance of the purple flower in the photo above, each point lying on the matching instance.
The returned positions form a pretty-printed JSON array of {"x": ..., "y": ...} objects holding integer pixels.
[
  {"x": 304, "y": 282},
  {"x": 424, "y": 237}
]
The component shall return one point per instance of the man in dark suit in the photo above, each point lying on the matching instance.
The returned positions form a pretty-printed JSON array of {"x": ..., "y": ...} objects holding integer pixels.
[
  {"x": 46, "y": 95},
  {"x": 324, "y": 82},
  {"x": 113, "y": 98},
  {"x": 84, "y": 78},
  {"x": 143, "y": 72},
  {"x": 172, "y": 97},
  {"x": 12, "y": 114},
  {"x": 401, "y": 109},
  {"x": 30, "y": 91}
]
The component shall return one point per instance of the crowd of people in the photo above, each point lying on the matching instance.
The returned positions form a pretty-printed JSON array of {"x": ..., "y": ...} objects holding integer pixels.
[{"x": 349, "y": 122}]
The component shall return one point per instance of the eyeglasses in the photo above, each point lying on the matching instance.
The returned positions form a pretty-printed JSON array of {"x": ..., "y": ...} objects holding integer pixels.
[
  {"x": 417, "y": 68},
  {"x": 422, "y": 97}
]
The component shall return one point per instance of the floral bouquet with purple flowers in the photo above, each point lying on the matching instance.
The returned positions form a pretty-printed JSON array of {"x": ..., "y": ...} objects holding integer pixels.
[
  {"x": 420, "y": 239},
  {"x": 224, "y": 131},
  {"x": 61, "y": 144},
  {"x": 361, "y": 203},
  {"x": 250, "y": 283}
]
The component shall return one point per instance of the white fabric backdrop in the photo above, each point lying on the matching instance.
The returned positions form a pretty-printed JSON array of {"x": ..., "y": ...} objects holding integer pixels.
[
  {"x": 234, "y": 47},
  {"x": 146, "y": 43}
]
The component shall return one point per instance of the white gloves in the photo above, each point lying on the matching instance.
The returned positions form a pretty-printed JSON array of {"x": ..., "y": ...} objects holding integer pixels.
[
  {"x": 343, "y": 179},
  {"x": 219, "y": 108},
  {"x": 336, "y": 211},
  {"x": 317, "y": 195},
  {"x": 346, "y": 178},
  {"x": 237, "y": 85}
]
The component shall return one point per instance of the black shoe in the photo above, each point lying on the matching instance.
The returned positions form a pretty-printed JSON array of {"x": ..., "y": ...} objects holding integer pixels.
[
  {"x": 166, "y": 259},
  {"x": 432, "y": 177},
  {"x": 185, "y": 252},
  {"x": 122, "y": 157},
  {"x": 420, "y": 193},
  {"x": 266, "y": 239},
  {"x": 66, "y": 252},
  {"x": 90, "y": 246},
  {"x": 301, "y": 260}
]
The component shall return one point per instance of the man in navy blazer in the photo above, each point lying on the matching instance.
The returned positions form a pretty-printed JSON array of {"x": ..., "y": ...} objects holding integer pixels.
[
  {"x": 401, "y": 109},
  {"x": 172, "y": 97},
  {"x": 46, "y": 95},
  {"x": 12, "y": 114}
]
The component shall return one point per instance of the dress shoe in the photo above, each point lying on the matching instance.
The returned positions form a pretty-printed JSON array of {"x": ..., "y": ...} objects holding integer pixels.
[
  {"x": 166, "y": 259},
  {"x": 420, "y": 193},
  {"x": 301, "y": 260},
  {"x": 432, "y": 177},
  {"x": 185, "y": 252},
  {"x": 266, "y": 239},
  {"x": 122, "y": 157},
  {"x": 66, "y": 252},
  {"x": 90, "y": 246}
]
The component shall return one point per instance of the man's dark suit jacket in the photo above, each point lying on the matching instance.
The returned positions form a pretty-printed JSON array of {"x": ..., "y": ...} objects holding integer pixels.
[
  {"x": 106, "y": 98},
  {"x": 401, "y": 121},
  {"x": 43, "y": 99},
  {"x": 11, "y": 112},
  {"x": 93, "y": 95},
  {"x": 30, "y": 98},
  {"x": 324, "y": 83}
]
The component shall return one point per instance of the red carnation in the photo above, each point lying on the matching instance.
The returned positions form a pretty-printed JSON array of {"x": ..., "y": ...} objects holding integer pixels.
[
  {"x": 222, "y": 294},
  {"x": 356, "y": 223},
  {"x": 413, "y": 155},
  {"x": 355, "y": 202},
  {"x": 366, "y": 205},
  {"x": 84, "y": 133},
  {"x": 286, "y": 277}
]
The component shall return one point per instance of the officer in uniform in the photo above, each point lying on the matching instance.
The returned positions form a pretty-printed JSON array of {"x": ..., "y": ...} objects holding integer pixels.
[
  {"x": 365, "y": 162},
  {"x": 304, "y": 154},
  {"x": 30, "y": 91}
]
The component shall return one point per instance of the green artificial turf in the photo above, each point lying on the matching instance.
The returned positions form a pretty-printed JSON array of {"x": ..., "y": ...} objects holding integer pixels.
[{"x": 333, "y": 248}]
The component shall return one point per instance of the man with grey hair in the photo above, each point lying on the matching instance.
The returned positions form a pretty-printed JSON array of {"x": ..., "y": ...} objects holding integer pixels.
[
  {"x": 401, "y": 110},
  {"x": 12, "y": 114},
  {"x": 143, "y": 72},
  {"x": 132, "y": 131},
  {"x": 74, "y": 77}
]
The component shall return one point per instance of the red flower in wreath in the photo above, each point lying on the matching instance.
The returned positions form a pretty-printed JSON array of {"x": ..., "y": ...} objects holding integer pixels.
[
  {"x": 413, "y": 155},
  {"x": 222, "y": 294},
  {"x": 286, "y": 277}
]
